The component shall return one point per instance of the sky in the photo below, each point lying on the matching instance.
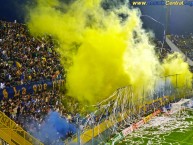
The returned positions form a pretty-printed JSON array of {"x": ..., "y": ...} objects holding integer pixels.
[
  {"x": 181, "y": 17},
  {"x": 180, "y": 22}
]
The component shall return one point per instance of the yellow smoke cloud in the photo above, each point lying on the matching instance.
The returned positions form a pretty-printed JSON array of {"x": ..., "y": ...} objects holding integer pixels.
[
  {"x": 100, "y": 51},
  {"x": 177, "y": 70}
]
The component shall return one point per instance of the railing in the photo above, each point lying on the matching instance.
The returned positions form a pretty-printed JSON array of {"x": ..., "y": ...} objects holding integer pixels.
[
  {"x": 103, "y": 126},
  {"x": 87, "y": 135},
  {"x": 13, "y": 134}
]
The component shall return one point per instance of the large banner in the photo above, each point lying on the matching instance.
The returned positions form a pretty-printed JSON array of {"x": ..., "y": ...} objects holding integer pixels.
[{"x": 40, "y": 86}]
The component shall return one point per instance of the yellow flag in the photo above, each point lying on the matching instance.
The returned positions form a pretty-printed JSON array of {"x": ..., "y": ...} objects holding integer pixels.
[{"x": 18, "y": 64}]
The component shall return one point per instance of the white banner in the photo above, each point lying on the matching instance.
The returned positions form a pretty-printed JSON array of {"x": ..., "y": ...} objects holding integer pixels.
[
  {"x": 127, "y": 131},
  {"x": 140, "y": 123}
]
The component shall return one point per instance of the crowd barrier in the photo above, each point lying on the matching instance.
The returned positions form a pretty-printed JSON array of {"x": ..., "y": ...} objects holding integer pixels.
[
  {"x": 13, "y": 134},
  {"x": 148, "y": 108}
]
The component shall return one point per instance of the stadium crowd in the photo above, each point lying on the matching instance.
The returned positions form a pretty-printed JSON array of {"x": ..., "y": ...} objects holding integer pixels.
[
  {"x": 184, "y": 43},
  {"x": 24, "y": 108},
  {"x": 31, "y": 111},
  {"x": 24, "y": 59}
]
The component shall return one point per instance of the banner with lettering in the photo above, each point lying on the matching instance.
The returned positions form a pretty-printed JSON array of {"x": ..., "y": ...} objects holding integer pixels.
[{"x": 11, "y": 92}]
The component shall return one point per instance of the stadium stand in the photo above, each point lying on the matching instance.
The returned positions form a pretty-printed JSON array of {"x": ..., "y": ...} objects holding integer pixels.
[
  {"x": 25, "y": 59},
  {"x": 26, "y": 108},
  {"x": 184, "y": 42},
  {"x": 177, "y": 45}
]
